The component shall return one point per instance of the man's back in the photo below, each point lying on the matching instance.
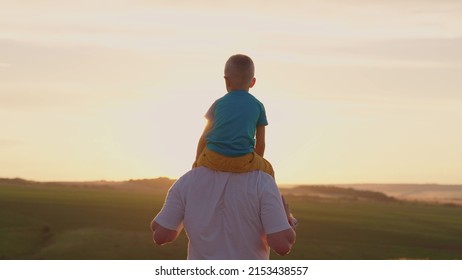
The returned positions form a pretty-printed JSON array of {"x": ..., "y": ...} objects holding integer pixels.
[{"x": 226, "y": 215}]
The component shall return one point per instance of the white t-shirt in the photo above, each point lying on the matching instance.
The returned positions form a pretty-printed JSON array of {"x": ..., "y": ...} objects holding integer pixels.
[{"x": 225, "y": 215}]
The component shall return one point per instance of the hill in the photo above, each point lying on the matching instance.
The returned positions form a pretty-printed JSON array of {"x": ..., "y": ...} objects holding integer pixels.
[
  {"x": 435, "y": 193},
  {"x": 334, "y": 192},
  {"x": 110, "y": 220},
  {"x": 157, "y": 184}
]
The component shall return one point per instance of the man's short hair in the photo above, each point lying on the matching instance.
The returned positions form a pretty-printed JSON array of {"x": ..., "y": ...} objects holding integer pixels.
[{"x": 240, "y": 70}]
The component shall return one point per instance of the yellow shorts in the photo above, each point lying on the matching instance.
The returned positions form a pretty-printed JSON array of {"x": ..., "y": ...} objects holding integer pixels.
[{"x": 241, "y": 164}]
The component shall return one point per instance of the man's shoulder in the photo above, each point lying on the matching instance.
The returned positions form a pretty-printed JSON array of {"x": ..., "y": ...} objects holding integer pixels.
[
  {"x": 203, "y": 173},
  {"x": 266, "y": 181},
  {"x": 199, "y": 174}
]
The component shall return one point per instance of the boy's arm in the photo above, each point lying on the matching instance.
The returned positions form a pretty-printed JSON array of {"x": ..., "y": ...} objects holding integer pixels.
[
  {"x": 260, "y": 140},
  {"x": 202, "y": 141}
]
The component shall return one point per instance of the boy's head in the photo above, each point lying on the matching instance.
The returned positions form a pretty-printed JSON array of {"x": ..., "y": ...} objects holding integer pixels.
[{"x": 239, "y": 73}]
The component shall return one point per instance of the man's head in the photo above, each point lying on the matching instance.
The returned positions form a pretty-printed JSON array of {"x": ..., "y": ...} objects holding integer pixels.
[{"x": 239, "y": 73}]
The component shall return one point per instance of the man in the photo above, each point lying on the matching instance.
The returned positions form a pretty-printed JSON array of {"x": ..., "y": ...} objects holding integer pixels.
[{"x": 226, "y": 215}]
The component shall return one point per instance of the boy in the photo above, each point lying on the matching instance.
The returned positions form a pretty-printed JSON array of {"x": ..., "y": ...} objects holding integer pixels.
[{"x": 227, "y": 143}]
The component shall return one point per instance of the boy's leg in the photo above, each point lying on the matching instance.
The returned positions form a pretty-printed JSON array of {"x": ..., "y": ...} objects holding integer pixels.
[
  {"x": 241, "y": 164},
  {"x": 260, "y": 163},
  {"x": 219, "y": 162}
]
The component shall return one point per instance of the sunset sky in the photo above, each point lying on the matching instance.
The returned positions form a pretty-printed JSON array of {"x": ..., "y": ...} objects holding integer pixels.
[{"x": 355, "y": 91}]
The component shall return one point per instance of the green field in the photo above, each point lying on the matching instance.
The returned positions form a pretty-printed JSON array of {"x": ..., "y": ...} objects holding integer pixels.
[{"x": 47, "y": 221}]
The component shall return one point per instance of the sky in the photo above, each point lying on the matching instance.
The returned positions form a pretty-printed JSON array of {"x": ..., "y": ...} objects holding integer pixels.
[{"x": 355, "y": 91}]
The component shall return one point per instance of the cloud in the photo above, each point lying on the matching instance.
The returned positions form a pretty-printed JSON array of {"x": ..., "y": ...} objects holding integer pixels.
[
  {"x": 428, "y": 52},
  {"x": 8, "y": 143},
  {"x": 179, "y": 24}
]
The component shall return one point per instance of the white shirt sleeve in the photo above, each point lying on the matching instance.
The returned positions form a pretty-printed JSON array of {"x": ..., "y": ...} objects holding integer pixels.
[
  {"x": 172, "y": 213},
  {"x": 273, "y": 215}
]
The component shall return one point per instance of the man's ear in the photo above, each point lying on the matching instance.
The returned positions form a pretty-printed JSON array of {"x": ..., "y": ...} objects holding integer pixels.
[{"x": 252, "y": 83}]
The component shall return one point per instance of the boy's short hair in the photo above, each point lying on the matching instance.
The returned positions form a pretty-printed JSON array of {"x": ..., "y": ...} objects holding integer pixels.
[{"x": 240, "y": 70}]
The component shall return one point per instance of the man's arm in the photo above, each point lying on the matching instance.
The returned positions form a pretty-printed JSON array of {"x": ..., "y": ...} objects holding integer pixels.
[
  {"x": 161, "y": 235},
  {"x": 260, "y": 140},
  {"x": 281, "y": 242},
  {"x": 280, "y": 235}
]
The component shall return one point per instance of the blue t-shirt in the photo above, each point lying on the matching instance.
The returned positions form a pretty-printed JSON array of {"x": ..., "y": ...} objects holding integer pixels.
[{"x": 235, "y": 118}]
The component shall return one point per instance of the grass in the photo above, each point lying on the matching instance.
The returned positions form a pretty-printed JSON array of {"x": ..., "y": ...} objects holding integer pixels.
[
  {"x": 371, "y": 230},
  {"x": 42, "y": 221}
]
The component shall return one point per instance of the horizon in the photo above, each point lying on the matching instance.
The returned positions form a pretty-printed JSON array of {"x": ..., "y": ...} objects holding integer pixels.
[
  {"x": 119, "y": 89},
  {"x": 280, "y": 184}
]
